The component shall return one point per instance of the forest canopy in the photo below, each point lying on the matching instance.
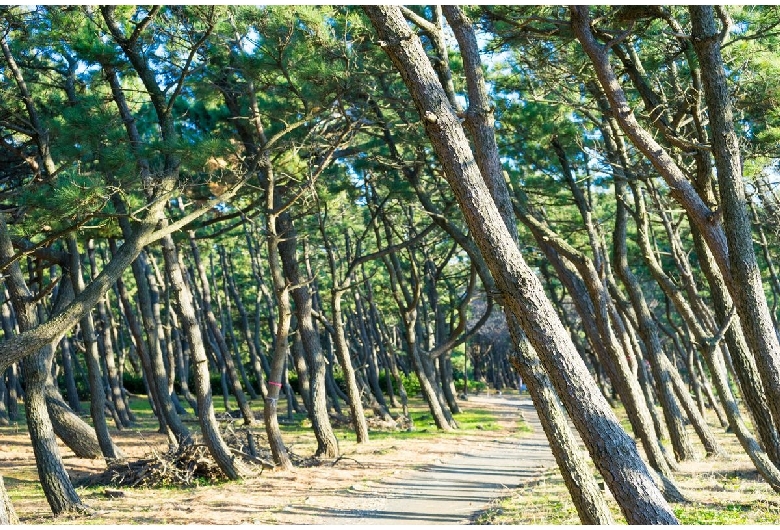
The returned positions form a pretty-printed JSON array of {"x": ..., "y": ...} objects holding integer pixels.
[{"x": 345, "y": 207}]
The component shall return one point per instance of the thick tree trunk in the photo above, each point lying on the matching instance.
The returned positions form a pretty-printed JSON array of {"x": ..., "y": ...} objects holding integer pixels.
[
  {"x": 582, "y": 486},
  {"x": 72, "y": 430},
  {"x": 54, "y": 479},
  {"x": 586, "y": 495},
  {"x": 612, "y": 450}
]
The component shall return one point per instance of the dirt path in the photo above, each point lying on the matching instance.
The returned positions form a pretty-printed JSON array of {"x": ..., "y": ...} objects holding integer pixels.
[{"x": 448, "y": 492}]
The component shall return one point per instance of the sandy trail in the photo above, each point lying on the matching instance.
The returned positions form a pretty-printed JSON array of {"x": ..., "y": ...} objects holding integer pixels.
[{"x": 448, "y": 492}]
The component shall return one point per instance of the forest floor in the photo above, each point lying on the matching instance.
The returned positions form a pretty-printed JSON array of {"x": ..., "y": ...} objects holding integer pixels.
[
  {"x": 463, "y": 470},
  {"x": 419, "y": 477}
]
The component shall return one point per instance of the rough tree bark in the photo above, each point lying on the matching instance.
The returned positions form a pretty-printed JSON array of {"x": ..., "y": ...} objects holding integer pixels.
[
  {"x": 745, "y": 283},
  {"x": 327, "y": 445},
  {"x": 7, "y": 513},
  {"x": 56, "y": 484},
  {"x": 185, "y": 307}
]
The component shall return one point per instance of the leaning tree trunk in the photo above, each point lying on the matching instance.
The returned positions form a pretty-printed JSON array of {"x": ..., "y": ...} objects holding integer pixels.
[
  {"x": 586, "y": 495},
  {"x": 342, "y": 353},
  {"x": 109, "y": 357},
  {"x": 710, "y": 350},
  {"x": 72, "y": 430},
  {"x": 745, "y": 284},
  {"x": 612, "y": 450},
  {"x": 745, "y": 370},
  {"x": 54, "y": 479},
  {"x": 211, "y": 322},
  {"x": 666, "y": 376}
]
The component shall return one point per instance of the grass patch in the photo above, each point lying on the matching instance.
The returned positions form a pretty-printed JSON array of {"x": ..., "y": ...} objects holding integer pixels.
[{"x": 723, "y": 491}]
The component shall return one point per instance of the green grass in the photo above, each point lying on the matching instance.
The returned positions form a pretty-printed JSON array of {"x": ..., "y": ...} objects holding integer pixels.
[
  {"x": 424, "y": 426},
  {"x": 547, "y": 502},
  {"x": 724, "y": 491}
]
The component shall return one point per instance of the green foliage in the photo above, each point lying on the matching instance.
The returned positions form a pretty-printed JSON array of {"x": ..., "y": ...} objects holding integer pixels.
[
  {"x": 71, "y": 198},
  {"x": 133, "y": 383},
  {"x": 411, "y": 383},
  {"x": 82, "y": 387}
]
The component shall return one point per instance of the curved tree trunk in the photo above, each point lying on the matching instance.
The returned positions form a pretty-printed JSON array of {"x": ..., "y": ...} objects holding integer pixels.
[
  {"x": 745, "y": 283},
  {"x": 54, "y": 479},
  {"x": 72, "y": 430},
  {"x": 277, "y": 378}
]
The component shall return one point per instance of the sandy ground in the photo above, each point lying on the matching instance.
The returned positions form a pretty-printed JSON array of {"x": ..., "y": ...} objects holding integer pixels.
[
  {"x": 352, "y": 485},
  {"x": 448, "y": 491}
]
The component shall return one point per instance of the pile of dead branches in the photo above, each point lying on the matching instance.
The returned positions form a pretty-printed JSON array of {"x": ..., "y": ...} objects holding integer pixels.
[
  {"x": 254, "y": 447},
  {"x": 185, "y": 466}
]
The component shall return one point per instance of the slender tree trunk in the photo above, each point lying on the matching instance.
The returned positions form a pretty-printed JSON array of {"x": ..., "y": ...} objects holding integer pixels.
[
  {"x": 211, "y": 322},
  {"x": 345, "y": 361},
  {"x": 4, "y": 420},
  {"x": 97, "y": 390},
  {"x": 745, "y": 284},
  {"x": 708, "y": 348},
  {"x": 281, "y": 287},
  {"x": 150, "y": 312},
  {"x": 70, "y": 378},
  {"x": 254, "y": 353},
  {"x": 185, "y": 307},
  {"x": 109, "y": 357}
]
